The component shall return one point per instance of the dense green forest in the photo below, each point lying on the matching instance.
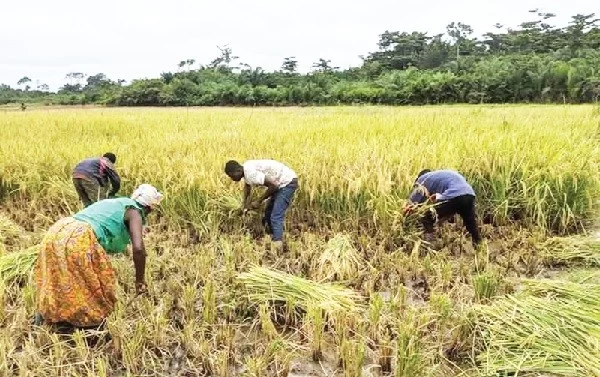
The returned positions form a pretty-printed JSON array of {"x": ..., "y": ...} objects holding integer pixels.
[{"x": 536, "y": 62}]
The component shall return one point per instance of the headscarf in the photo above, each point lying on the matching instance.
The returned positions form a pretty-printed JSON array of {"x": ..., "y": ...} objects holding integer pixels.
[{"x": 147, "y": 195}]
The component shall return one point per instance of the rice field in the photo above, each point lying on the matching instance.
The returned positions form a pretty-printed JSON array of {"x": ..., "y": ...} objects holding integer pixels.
[{"x": 359, "y": 292}]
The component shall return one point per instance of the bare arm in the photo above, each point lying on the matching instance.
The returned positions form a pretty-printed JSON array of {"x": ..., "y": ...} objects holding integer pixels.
[
  {"x": 134, "y": 220},
  {"x": 247, "y": 191},
  {"x": 271, "y": 189},
  {"x": 115, "y": 181},
  {"x": 113, "y": 176}
]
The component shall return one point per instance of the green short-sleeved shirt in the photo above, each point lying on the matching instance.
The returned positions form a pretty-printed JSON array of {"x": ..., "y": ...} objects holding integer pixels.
[{"x": 107, "y": 218}]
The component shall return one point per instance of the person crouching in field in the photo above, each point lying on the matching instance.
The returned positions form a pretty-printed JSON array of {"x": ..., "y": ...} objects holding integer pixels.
[
  {"x": 451, "y": 194},
  {"x": 91, "y": 178},
  {"x": 281, "y": 183},
  {"x": 74, "y": 280}
]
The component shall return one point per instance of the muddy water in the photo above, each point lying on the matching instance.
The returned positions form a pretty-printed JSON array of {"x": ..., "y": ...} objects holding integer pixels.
[{"x": 307, "y": 368}]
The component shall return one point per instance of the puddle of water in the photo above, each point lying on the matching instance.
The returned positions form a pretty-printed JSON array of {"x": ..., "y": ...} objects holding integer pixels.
[{"x": 308, "y": 368}]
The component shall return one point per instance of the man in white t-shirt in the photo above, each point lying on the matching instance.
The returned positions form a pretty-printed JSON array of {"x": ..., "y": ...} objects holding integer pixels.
[{"x": 281, "y": 183}]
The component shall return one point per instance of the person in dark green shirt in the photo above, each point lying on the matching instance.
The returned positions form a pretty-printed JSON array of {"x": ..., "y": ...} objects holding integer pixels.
[{"x": 75, "y": 282}]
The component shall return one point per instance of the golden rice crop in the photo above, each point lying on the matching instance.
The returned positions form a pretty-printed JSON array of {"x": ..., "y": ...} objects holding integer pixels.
[
  {"x": 534, "y": 169},
  {"x": 356, "y": 165}
]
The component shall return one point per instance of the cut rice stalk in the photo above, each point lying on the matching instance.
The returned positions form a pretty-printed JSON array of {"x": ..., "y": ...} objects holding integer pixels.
[
  {"x": 340, "y": 260},
  {"x": 18, "y": 265},
  {"x": 264, "y": 284},
  {"x": 551, "y": 327},
  {"x": 565, "y": 250}
]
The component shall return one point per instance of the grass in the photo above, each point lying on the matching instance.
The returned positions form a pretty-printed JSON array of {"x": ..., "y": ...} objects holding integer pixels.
[{"x": 358, "y": 291}]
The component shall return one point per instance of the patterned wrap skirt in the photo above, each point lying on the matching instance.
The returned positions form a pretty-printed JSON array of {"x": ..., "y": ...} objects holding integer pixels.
[{"x": 75, "y": 282}]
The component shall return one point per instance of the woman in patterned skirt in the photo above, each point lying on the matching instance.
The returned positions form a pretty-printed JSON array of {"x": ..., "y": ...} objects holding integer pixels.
[{"x": 75, "y": 282}]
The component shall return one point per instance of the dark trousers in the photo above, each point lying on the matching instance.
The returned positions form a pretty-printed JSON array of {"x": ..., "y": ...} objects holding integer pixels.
[
  {"x": 464, "y": 206},
  {"x": 89, "y": 191},
  {"x": 278, "y": 204}
]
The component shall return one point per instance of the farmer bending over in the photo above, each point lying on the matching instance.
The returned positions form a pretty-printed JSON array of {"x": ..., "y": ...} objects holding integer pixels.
[
  {"x": 74, "y": 281},
  {"x": 451, "y": 194},
  {"x": 281, "y": 183},
  {"x": 91, "y": 177}
]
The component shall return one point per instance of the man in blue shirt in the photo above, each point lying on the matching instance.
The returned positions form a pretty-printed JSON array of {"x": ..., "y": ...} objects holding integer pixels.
[{"x": 451, "y": 194}]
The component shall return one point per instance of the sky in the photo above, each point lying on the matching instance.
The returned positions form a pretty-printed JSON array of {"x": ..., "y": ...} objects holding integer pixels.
[{"x": 127, "y": 39}]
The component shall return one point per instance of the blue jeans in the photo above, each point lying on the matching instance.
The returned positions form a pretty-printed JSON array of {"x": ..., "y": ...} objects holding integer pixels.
[{"x": 275, "y": 212}]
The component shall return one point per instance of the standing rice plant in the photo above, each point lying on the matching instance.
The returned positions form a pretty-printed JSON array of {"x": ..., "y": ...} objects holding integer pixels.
[
  {"x": 255, "y": 366},
  {"x": 315, "y": 324},
  {"x": 410, "y": 360},
  {"x": 442, "y": 312},
  {"x": 132, "y": 348},
  {"x": 282, "y": 356},
  {"x": 386, "y": 354},
  {"x": 375, "y": 316},
  {"x": 2, "y": 301},
  {"x": 189, "y": 302},
  {"x": 539, "y": 170},
  {"x": 209, "y": 301},
  {"x": 485, "y": 286},
  {"x": 220, "y": 362},
  {"x": 352, "y": 355},
  {"x": 266, "y": 324}
]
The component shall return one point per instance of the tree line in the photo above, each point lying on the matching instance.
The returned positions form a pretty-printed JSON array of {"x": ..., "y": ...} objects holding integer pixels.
[{"x": 535, "y": 62}]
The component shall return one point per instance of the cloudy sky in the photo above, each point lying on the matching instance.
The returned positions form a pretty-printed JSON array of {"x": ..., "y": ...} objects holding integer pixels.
[{"x": 128, "y": 39}]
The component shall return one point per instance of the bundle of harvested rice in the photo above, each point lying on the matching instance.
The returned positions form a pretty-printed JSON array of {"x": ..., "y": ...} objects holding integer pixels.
[
  {"x": 14, "y": 266},
  {"x": 582, "y": 292},
  {"x": 225, "y": 203},
  {"x": 264, "y": 284},
  {"x": 551, "y": 327},
  {"x": 340, "y": 260},
  {"x": 564, "y": 250},
  {"x": 10, "y": 232},
  {"x": 413, "y": 216}
]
